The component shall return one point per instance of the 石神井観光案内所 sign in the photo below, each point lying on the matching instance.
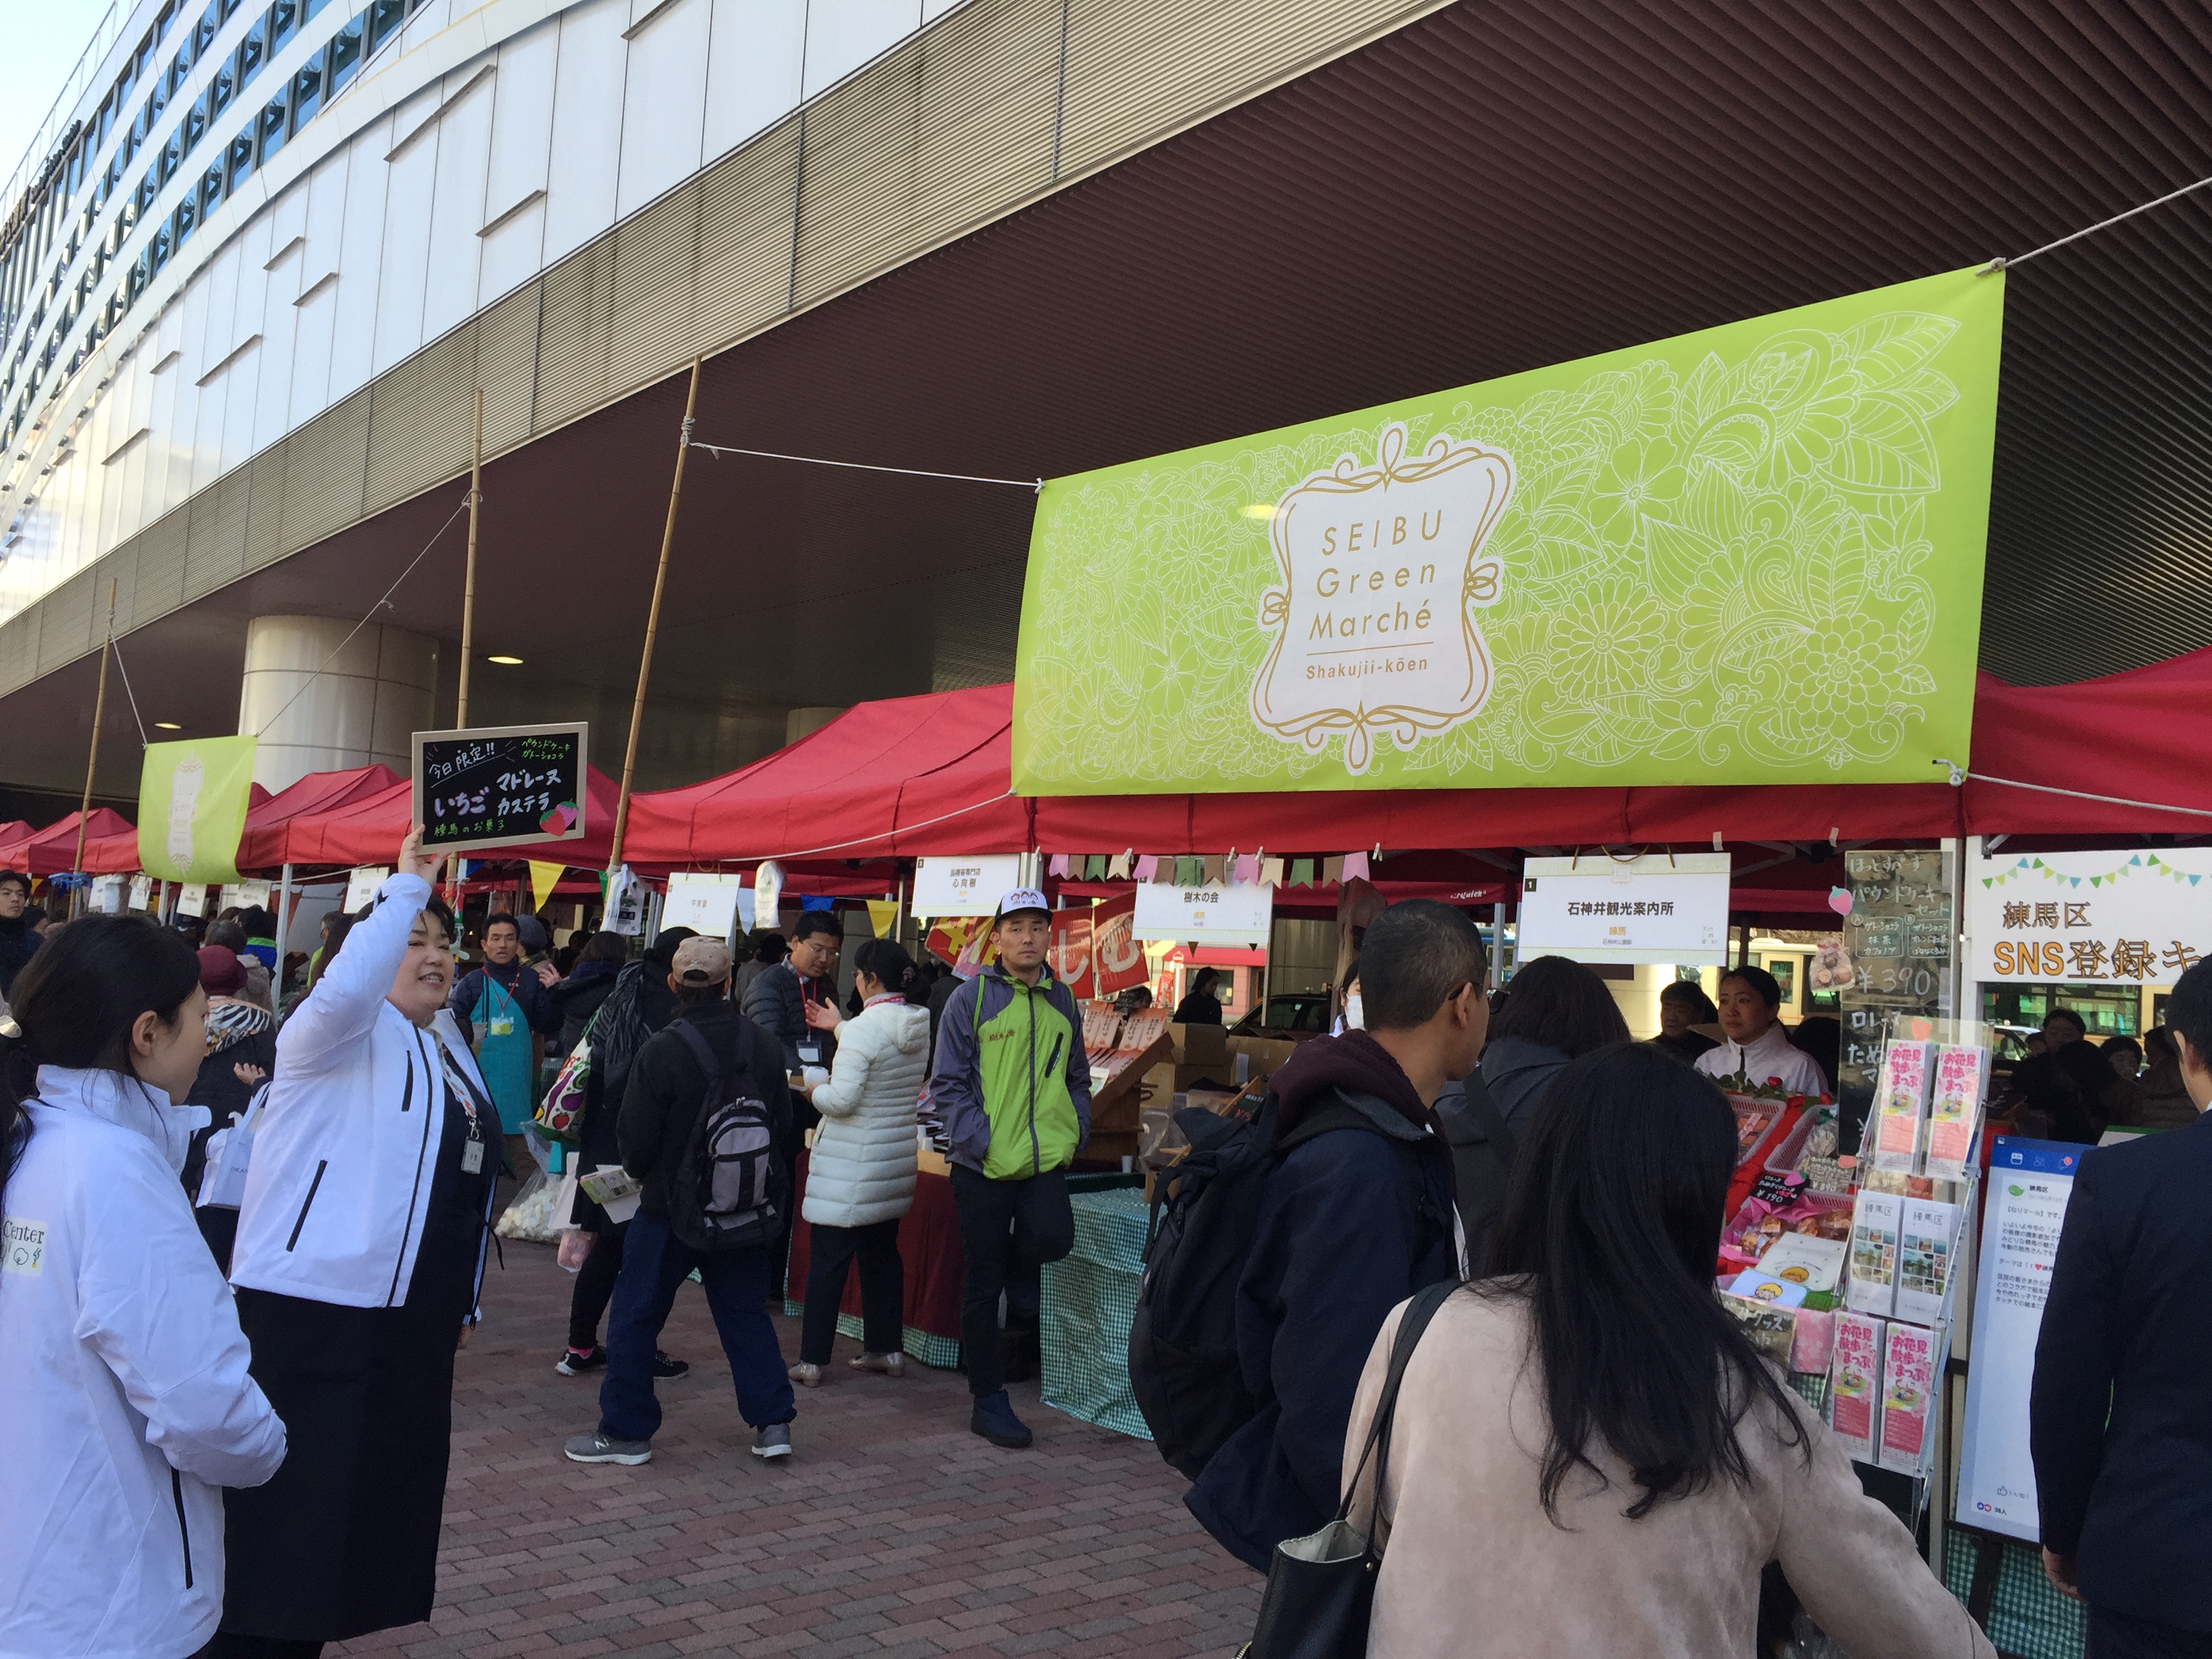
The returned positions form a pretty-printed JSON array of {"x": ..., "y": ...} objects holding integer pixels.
[{"x": 1750, "y": 555}]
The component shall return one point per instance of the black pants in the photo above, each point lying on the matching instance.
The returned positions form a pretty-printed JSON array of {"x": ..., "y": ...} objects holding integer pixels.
[
  {"x": 830, "y": 1253},
  {"x": 2118, "y": 1636},
  {"x": 1008, "y": 1230},
  {"x": 595, "y": 1287},
  {"x": 227, "y": 1646}
]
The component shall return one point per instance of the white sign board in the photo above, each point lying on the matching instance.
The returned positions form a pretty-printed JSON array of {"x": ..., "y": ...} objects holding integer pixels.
[
  {"x": 963, "y": 887},
  {"x": 1651, "y": 908},
  {"x": 107, "y": 895},
  {"x": 244, "y": 894},
  {"x": 192, "y": 899},
  {"x": 1240, "y": 915},
  {"x": 2030, "y": 1181},
  {"x": 362, "y": 885},
  {"x": 141, "y": 892},
  {"x": 704, "y": 902},
  {"x": 2134, "y": 917}
]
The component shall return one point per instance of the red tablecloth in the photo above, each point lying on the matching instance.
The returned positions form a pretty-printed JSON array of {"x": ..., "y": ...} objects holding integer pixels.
[{"x": 929, "y": 1245}]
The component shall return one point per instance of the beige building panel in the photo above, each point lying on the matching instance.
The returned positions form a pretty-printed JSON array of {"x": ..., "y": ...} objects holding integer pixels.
[
  {"x": 215, "y": 554},
  {"x": 66, "y": 630},
  {"x": 654, "y": 321},
  {"x": 421, "y": 419},
  {"x": 264, "y": 506},
  {"x": 506, "y": 366},
  {"x": 745, "y": 237},
  {"x": 324, "y": 473},
  {"x": 576, "y": 316}
]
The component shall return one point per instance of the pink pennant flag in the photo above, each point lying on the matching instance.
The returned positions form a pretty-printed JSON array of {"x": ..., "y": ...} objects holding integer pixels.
[
  {"x": 1059, "y": 867},
  {"x": 1147, "y": 866},
  {"x": 1248, "y": 869},
  {"x": 1355, "y": 864}
]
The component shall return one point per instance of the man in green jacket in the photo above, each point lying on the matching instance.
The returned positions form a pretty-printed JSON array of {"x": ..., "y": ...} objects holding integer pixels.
[{"x": 1013, "y": 1088}]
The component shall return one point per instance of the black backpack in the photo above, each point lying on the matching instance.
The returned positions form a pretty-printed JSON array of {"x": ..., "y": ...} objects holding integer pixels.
[
  {"x": 1183, "y": 1339},
  {"x": 731, "y": 1188}
]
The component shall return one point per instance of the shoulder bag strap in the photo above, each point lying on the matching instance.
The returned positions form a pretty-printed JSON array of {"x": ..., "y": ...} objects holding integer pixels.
[
  {"x": 702, "y": 1050},
  {"x": 1419, "y": 1312},
  {"x": 1488, "y": 1119}
]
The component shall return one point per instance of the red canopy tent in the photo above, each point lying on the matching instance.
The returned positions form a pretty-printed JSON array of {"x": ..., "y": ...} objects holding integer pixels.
[
  {"x": 49, "y": 852},
  {"x": 368, "y": 828},
  {"x": 12, "y": 835}
]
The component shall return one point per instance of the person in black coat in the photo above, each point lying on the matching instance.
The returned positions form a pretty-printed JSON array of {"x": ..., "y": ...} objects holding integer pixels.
[
  {"x": 2120, "y": 1422},
  {"x": 1200, "y": 1006},
  {"x": 589, "y": 983},
  {"x": 1356, "y": 1218},
  {"x": 777, "y": 998},
  {"x": 668, "y": 1087},
  {"x": 18, "y": 937}
]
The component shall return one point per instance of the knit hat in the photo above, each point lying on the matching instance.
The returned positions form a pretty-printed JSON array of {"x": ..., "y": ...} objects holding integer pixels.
[{"x": 221, "y": 974}]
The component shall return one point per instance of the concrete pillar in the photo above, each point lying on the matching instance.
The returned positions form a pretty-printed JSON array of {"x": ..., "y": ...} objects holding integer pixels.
[{"x": 369, "y": 698}]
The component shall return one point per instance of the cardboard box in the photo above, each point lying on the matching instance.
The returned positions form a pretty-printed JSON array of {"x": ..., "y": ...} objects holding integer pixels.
[
  {"x": 1265, "y": 1053},
  {"x": 1200, "y": 1045}
]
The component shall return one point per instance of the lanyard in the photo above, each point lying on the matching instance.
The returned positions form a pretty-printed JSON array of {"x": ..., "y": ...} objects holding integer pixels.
[{"x": 459, "y": 1086}]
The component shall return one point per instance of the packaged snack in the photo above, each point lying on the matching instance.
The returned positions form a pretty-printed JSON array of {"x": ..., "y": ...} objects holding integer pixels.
[
  {"x": 1855, "y": 1384},
  {"x": 1815, "y": 1344},
  {"x": 1961, "y": 1076},
  {"x": 1908, "y": 1376},
  {"x": 1875, "y": 1219},
  {"x": 1806, "y": 1261},
  {"x": 1927, "y": 1241},
  {"x": 1895, "y": 1131},
  {"x": 1772, "y": 1330},
  {"x": 1753, "y": 1285}
]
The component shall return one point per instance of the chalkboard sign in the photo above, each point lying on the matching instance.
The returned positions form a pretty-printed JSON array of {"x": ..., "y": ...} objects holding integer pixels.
[
  {"x": 1899, "y": 933},
  {"x": 500, "y": 786}
]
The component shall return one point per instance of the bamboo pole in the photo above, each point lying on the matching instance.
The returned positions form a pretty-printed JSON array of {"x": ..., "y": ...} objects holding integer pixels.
[
  {"x": 652, "y": 625},
  {"x": 92, "y": 759},
  {"x": 468, "y": 615}
]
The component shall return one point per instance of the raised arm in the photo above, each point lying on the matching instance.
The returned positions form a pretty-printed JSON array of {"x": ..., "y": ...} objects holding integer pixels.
[{"x": 350, "y": 992}]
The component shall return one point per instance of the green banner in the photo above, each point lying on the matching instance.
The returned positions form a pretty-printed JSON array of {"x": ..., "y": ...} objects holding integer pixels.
[
  {"x": 1749, "y": 555},
  {"x": 193, "y": 797}
]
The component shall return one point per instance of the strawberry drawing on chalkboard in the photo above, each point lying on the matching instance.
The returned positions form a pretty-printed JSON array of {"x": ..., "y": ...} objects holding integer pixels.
[{"x": 560, "y": 820}]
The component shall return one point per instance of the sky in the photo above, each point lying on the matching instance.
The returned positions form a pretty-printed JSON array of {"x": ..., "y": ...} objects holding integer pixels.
[{"x": 39, "y": 43}]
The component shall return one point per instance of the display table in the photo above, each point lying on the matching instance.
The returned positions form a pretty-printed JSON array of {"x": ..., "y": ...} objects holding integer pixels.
[
  {"x": 929, "y": 1246},
  {"x": 1090, "y": 1299}
]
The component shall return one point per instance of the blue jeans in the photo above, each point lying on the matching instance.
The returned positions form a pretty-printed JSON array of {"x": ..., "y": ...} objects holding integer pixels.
[{"x": 655, "y": 1262}]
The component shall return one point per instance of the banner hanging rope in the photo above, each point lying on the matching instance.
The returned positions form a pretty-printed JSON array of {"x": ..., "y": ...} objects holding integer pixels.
[
  {"x": 866, "y": 466},
  {"x": 1959, "y": 774},
  {"x": 128, "y": 693},
  {"x": 2002, "y": 263}
]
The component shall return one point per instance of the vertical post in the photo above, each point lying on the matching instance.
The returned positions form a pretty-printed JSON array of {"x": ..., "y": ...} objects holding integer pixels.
[
  {"x": 80, "y": 898},
  {"x": 283, "y": 924},
  {"x": 652, "y": 625},
  {"x": 1497, "y": 945},
  {"x": 468, "y": 616}
]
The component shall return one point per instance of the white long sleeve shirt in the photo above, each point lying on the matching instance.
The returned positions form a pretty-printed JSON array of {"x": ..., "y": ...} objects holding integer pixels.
[
  {"x": 1772, "y": 1057},
  {"x": 123, "y": 1384}
]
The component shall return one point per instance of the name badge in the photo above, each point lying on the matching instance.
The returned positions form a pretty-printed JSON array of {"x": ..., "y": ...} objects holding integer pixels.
[
  {"x": 810, "y": 1053},
  {"x": 472, "y": 1158},
  {"x": 502, "y": 1025}
]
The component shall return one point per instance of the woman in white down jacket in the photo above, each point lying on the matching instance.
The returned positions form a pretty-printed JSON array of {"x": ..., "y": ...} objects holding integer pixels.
[
  {"x": 122, "y": 1373},
  {"x": 859, "y": 1177}
]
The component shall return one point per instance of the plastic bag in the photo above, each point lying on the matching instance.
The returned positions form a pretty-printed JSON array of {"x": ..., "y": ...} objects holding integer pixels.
[
  {"x": 575, "y": 1245},
  {"x": 531, "y": 1216}
]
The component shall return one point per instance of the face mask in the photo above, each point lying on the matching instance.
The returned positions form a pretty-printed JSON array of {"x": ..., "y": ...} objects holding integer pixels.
[{"x": 1353, "y": 1013}]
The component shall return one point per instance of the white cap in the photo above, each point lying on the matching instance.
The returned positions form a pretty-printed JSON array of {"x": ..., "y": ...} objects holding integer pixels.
[{"x": 1021, "y": 898}]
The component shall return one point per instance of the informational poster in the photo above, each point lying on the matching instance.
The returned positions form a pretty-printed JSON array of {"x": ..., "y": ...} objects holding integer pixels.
[
  {"x": 362, "y": 885},
  {"x": 193, "y": 797},
  {"x": 504, "y": 786},
  {"x": 706, "y": 902},
  {"x": 192, "y": 899},
  {"x": 1205, "y": 914},
  {"x": 1575, "y": 576},
  {"x": 2138, "y": 916},
  {"x": 963, "y": 886},
  {"x": 2030, "y": 1182},
  {"x": 1656, "y": 907},
  {"x": 244, "y": 894}
]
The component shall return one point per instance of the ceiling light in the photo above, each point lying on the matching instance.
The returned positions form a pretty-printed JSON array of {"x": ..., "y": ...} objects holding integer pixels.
[
  {"x": 167, "y": 726},
  {"x": 506, "y": 662},
  {"x": 1260, "y": 510}
]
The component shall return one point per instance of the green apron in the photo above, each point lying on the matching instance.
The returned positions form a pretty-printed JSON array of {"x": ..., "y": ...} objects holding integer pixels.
[{"x": 504, "y": 1054}]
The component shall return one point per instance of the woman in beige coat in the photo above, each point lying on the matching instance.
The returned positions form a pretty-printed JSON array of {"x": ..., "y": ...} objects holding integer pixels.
[{"x": 1589, "y": 1459}]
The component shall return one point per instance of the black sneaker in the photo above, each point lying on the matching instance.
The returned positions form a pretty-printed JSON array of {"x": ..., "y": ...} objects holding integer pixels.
[
  {"x": 575, "y": 1363},
  {"x": 665, "y": 1370}
]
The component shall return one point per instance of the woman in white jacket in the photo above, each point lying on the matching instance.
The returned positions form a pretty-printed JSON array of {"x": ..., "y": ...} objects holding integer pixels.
[
  {"x": 860, "y": 1175},
  {"x": 360, "y": 1255},
  {"x": 125, "y": 1389}
]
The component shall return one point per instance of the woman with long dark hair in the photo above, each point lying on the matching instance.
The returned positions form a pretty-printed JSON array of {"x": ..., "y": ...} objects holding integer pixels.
[
  {"x": 125, "y": 1385},
  {"x": 1589, "y": 1456},
  {"x": 360, "y": 1255},
  {"x": 860, "y": 1175}
]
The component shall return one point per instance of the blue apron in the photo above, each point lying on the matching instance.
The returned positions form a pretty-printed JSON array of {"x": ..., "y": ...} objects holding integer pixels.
[{"x": 504, "y": 1054}]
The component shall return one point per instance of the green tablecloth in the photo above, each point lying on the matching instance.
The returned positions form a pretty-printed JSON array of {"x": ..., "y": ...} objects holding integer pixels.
[{"x": 1090, "y": 1298}]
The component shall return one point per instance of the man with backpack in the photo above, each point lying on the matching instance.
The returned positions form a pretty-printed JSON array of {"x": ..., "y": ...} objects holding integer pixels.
[
  {"x": 1012, "y": 1087},
  {"x": 1326, "y": 1211},
  {"x": 702, "y": 1120}
]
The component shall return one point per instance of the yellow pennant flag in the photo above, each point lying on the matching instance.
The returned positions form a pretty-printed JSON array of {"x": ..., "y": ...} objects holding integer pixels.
[
  {"x": 542, "y": 878},
  {"x": 883, "y": 916}
]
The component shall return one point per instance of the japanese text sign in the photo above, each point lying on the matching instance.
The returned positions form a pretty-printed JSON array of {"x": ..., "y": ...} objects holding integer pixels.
[
  {"x": 505, "y": 786},
  {"x": 963, "y": 887},
  {"x": 2129, "y": 917},
  {"x": 1651, "y": 908}
]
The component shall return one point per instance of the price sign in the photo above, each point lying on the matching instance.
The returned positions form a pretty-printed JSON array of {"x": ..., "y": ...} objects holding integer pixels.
[
  {"x": 1898, "y": 935},
  {"x": 505, "y": 786}
]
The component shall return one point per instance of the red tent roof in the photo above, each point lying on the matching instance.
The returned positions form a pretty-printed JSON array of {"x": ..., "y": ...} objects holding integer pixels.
[
  {"x": 49, "y": 852},
  {"x": 899, "y": 778},
  {"x": 930, "y": 775},
  {"x": 368, "y": 828}
]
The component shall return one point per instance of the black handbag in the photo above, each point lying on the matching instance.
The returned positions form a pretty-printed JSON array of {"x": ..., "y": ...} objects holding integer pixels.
[{"x": 1321, "y": 1586}]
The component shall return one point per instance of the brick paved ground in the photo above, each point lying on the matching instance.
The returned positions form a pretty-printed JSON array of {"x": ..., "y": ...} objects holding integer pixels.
[{"x": 893, "y": 1532}]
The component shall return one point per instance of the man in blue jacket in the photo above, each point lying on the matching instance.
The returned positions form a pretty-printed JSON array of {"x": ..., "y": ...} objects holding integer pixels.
[
  {"x": 1356, "y": 1218},
  {"x": 2120, "y": 1413}
]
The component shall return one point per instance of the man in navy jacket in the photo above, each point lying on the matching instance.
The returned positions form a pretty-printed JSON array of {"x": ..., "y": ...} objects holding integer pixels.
[
  {"x": 2120, "y": 1418},
  {"x": 1356, "y": 1218}
]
